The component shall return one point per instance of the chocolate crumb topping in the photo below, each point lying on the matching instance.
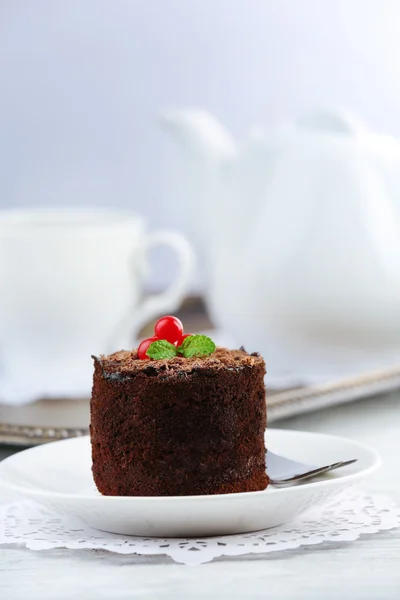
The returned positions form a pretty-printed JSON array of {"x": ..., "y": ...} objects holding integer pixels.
[{"x": 126, "y": 363}]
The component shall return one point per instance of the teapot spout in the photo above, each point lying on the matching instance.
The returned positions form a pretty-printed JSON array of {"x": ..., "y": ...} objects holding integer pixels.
[{"x": 199, "y": 133}]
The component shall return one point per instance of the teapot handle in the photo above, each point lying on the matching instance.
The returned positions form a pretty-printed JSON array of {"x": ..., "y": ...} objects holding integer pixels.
[{"x": 337, "y": 121}]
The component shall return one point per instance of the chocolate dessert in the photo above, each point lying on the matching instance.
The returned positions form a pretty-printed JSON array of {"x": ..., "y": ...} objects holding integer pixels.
[{"x": 178, "y": 426}]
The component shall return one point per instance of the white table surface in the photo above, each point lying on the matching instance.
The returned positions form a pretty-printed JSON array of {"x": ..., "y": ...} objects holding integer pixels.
[{"x": 366, "y": 569}]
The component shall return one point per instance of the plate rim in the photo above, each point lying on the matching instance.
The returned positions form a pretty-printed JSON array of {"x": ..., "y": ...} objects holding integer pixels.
[{"x": 349, "y": 478}]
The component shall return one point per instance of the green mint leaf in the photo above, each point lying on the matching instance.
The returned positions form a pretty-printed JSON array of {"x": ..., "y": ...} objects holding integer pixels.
[
  {"x": 161, "y": 349},
  {"x": 197, "y": 345}
]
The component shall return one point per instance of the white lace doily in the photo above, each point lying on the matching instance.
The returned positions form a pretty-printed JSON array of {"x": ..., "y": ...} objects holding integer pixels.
[{"x": 352, "y": 514}]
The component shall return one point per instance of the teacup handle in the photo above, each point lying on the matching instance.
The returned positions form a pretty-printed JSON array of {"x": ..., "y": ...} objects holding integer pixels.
[{"x": 164, "y": 302}]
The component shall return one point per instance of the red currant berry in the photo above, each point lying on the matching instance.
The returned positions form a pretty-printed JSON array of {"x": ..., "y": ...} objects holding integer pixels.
[
  {"x": 180, "y": 342},
  {"x": 144, "y": 346},
  {"x": 169, "y": 328}
]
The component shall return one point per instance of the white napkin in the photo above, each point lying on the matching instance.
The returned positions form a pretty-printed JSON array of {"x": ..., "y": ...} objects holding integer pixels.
[
  {"x": 302, "y": 365},
  {"x": 25, "y": 390},
  {"x": 344, "y": 519},
  {"x": 295, "y": 365}
]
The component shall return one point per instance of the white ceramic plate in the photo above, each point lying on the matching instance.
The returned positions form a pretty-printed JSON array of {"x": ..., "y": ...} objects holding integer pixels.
[{"x": 58, "y": 475}]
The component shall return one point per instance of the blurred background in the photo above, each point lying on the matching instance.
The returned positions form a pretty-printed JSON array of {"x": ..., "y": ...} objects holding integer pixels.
[
  {"x": 262, "y": 131},
  {"x": 83, "y": 82}
]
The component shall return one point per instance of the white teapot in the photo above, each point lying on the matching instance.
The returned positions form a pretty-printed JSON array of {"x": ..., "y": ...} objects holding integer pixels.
[{"x": 302, "y": 234}]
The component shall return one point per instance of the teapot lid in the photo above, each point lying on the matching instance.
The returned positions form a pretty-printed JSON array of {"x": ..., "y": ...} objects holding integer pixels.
[{"x": 325, "y": 120}]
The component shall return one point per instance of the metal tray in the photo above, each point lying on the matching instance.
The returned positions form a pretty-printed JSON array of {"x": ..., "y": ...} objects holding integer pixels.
[{"x": 49, "y": 420}]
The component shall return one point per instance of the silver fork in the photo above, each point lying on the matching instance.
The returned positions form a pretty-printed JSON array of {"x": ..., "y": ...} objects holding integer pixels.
[{"x": 283, "y": 471}]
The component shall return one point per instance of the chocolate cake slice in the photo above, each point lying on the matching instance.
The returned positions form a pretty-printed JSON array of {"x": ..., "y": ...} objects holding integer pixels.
[{"x": 182, "y": 426}]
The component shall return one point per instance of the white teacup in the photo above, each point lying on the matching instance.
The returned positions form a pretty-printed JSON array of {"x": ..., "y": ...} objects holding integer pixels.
[{"x": 70, "y": 286}]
